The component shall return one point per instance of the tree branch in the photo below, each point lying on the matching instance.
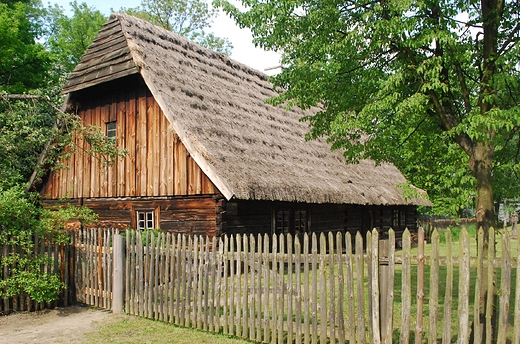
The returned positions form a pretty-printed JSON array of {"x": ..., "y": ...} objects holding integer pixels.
[
  {"x": 463, "y": 86},
  {"x": 410, "y": 135},
  {"x": 510, "y": 39}
]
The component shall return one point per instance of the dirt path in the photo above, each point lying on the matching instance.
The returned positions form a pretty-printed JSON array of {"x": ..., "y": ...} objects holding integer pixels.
[{"x": 60, "y": 325}]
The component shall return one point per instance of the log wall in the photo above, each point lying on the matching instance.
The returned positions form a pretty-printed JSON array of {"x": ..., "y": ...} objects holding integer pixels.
[
  {"x": 243, "y": 217},
  {"x": 194, "y": 215}
]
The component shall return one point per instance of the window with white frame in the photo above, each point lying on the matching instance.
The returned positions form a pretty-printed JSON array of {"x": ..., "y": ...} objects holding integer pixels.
[
  {"x": 111, "y": 130},
  {"x": 145, "y": 219}
]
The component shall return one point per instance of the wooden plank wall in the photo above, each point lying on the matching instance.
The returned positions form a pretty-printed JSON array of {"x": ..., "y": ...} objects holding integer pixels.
[{"x": 157, "y": 163}]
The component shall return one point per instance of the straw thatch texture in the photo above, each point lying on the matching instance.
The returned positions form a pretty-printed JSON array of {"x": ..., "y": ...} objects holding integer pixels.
[{"x": 249, "y": 149}]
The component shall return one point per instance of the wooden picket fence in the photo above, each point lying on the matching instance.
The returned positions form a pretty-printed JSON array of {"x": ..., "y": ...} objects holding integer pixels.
[{"x": 309, "y": 289}]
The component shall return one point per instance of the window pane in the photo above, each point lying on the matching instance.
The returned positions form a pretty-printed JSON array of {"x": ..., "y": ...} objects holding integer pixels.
[
  {"x": 111, "y": 129},
  {"x": 300, "y": 220},
  {"x": 282, "y": 221},
  {"x": 395, "y": 219}
]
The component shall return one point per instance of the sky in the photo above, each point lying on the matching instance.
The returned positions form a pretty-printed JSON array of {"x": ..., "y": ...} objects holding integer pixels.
[{"x": 243, "y": 49}]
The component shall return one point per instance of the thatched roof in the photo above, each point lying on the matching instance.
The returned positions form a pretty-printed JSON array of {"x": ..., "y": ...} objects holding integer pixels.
[{"x": 249, "y": 149}]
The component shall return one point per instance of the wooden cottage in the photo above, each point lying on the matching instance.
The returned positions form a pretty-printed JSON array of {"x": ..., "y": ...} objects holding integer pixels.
[{"x": 206, "y": 154}]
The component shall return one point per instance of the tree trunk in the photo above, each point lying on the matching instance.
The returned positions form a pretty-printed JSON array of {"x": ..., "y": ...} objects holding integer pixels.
[{"x": 481, "y": 166}]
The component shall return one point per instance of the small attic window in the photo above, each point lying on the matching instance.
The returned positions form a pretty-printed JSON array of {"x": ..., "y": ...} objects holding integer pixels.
[{"x": 111, "y": 130}]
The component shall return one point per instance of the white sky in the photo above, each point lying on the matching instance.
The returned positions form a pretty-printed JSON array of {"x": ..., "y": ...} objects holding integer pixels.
[{"x": 243, "y": 49}]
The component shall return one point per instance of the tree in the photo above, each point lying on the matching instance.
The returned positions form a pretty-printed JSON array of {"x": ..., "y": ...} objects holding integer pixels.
[
  {"x": 35, "y": 134},
  {"x": 24, "y": 63},
  {"x": 69, "y": 37},
  {"x": 187, "y": 18},
  {"x": 428, "y": 85}
]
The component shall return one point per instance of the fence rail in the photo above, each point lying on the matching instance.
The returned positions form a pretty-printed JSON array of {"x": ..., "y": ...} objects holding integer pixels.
[{"x": 312, "y": 289}]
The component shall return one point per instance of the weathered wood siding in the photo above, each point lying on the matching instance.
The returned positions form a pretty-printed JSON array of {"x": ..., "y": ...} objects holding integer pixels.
[{"x": 157, "y": 163}]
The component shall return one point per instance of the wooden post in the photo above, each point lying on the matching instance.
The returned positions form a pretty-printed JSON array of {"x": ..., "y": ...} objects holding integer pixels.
[
  {"x": 514, "y": 223},
  {"x": 384, "y": 315},
  {"x": 118, "y": 276}
]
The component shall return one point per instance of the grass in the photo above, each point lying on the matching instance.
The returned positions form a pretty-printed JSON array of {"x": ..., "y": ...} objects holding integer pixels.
[{"x": 130, "y": 329}]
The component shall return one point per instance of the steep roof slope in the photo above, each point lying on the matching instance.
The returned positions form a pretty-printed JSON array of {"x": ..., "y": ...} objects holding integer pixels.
[{"x": 249, "y": 149}]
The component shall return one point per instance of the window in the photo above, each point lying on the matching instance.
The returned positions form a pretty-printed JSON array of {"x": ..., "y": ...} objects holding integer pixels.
[
  {"x": 145, "y": 219},
  {"x": 395, "y": 219},
  {"x": 292, "y": 221},
  {"x": 402, "y": 218},
  {"x": 300, "y": 221},
  {"x": 399, "y": 219},
  {"x": 282, "y": 221},
  {"x": 111, "y": 130}
]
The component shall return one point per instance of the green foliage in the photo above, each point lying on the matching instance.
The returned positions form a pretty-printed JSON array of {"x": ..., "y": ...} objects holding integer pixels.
[
  {"x": 25, "y": 127},
  {"x": 24, "y": 63},
  {"x": 188, "y": 18},
  {"x": 35, "y": 135},
  {"x": 21, "y": 217},
  {"x": 429, "y": 86},
  {"x": 69, "y": 37},
  {"x": 455, "y": 233}
]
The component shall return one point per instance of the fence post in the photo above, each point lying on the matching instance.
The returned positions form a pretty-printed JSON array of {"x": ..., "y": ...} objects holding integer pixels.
[
  {"x": 384, "y": 248},
  {"x": 514, "y": 224},
  {"x": 118, "y": 274}
]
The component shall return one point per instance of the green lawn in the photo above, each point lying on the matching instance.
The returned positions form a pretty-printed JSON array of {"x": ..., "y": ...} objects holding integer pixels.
[{"x": 132, "y": 329}]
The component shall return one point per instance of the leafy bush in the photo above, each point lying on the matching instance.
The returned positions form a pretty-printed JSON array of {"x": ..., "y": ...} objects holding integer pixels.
[{"x": 21, "y": 218}]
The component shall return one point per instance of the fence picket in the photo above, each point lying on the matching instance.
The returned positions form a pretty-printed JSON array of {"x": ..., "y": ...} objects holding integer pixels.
[
  {"x": 274, "y": 289},
  {"x": 340, "y": 323},
  {"x": 477, "y": 324},
  {"x": 373, "y": 297},
  {"x": 351, "y": 334},
  {"x": 238, "y": 287},
  {"x": 322, "y": 287},
  {"x": 434, "y": 287},
  {"x": 406, "y": 292},
  {"x": 314, "y": 289},
  {"x": 420, "y": 287},
  {"x": 208, "y": 272},
  {"x": 332, "y": 295},
  {"x": 221, "y": 275},
  {"x": 516, "y": 321},
  {"x": 360, "y": 289},
  {"x": 298, "y": 290},
  {"x": 446, "y": 333},
  {"x": 505, "y": 289},
  {"x": 290, "y": 289},
  {"x": 258, "y": 265},
  {"x": 306, "y": 292},
  {"x": 178, "y": 279},
  {"x": 390, "y": 292},
  {"x": 490, "y": 288},
  {"x": 463, "y": 310},
  {"x": 197, "y": 286},
  {"x": 369, "y": 274},
  {"x": 140, "y": 297},
  {"x": 279, "y": 295},
  {"x": 267, "y": 281},
  {"x": 251, "y": 298}
]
